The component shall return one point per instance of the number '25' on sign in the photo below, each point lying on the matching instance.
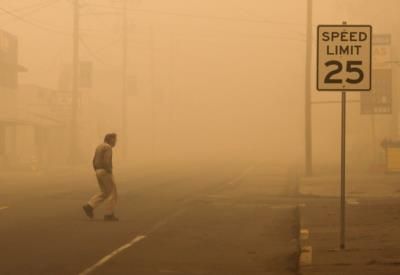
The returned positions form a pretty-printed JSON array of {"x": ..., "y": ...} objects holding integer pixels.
[{"x": 344, "y": 57}]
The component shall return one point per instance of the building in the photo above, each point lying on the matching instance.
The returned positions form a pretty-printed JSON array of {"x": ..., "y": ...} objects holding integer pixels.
[{"x": 9, "y": 119}]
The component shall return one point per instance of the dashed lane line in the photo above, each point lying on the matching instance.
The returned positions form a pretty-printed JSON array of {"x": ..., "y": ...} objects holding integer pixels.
[
  {"x": 241, "y": 176},
  {"x": 164, "y": 221},
  {"x": 112, "y": 255}
]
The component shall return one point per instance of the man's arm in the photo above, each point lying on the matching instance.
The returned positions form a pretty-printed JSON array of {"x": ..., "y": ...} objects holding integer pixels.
[
  {"x": 93, "y": 162},
  {"x": 108, "y": 160}
]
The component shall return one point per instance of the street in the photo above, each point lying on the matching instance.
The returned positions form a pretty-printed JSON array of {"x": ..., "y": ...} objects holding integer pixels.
[
  {"x": 199, "y": 137},
  {"x": 222, "y": 219}
]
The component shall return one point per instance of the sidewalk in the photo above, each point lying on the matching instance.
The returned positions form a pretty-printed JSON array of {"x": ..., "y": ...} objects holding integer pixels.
[
  {"x": 372, "y": 185},
  {"x": 373, "y": 223}
]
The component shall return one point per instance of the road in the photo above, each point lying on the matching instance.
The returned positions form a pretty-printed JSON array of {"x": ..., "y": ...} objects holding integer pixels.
[{"x": 221, "y": 219}]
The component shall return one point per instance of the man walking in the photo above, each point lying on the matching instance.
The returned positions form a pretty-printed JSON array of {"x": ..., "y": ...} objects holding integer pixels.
[{"x": 102, "y": 164}]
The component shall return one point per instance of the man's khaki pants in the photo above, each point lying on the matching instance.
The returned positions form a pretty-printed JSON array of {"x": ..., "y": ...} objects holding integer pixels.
[{"x": 108, "y": 191}]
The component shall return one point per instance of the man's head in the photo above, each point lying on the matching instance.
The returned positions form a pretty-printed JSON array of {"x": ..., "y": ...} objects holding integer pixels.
[{"x": 111, "y": 139}]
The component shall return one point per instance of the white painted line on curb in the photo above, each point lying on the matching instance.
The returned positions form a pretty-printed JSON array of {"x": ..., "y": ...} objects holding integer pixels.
[
  {"x": 112, "y": 255},
  {"x": 305, "y": 256},
  {"x": 304, "y": 234},
  {"x": 352, "y": 202},
  {"x": 3, "y": 207}
]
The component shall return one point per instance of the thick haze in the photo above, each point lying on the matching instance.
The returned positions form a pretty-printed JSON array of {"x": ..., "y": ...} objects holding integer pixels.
[{"x": 214, "y": 80}]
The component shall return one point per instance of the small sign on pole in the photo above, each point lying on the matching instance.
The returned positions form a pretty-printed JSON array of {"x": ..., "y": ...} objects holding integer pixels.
[
  {"x": 344, "y": 62},
  {"x": 379, "y": 100}
]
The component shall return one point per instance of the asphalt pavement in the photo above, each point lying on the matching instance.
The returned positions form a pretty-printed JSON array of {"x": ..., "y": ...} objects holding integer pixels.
[{"x": 215, "y": 219}]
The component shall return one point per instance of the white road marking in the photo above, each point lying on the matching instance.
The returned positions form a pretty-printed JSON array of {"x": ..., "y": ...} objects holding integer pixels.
[
  {"x": 3, "y": 207},
  {"x": 154, "y": 228},
  {"x": 164, "y": 221},
  {"x": 112, "y": 255},
  {"x": 241, "y": 176}
]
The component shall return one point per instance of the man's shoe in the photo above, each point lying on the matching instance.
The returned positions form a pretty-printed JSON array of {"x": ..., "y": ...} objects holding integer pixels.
[
  {"x": 110, "y": 218},
  {"x": 88, "y": 210}
]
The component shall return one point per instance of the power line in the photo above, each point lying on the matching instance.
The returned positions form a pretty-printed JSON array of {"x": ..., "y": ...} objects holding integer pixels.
[
  {"x": 227, "y": 18},
  {"x": 35, "y": 7},
  {"x": 104, "y": 13},
  {"x": 92, "y": 53},
  {"x": 119, "y": 10},
  {"x": 32, "y": 23}
]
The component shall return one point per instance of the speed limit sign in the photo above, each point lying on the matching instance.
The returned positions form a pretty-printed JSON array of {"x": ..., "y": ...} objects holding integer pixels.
[{"x": 344, "y": 57}]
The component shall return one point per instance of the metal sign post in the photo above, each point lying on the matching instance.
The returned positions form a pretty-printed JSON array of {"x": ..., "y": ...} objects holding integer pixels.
[
  {"x": 344, "y": 64},
  {"x": 343, "y": 177}
]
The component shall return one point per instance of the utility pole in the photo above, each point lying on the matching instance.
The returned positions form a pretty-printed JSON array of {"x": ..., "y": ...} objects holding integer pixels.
[
  {"x": 153, "y": 93},
  {"x": 75, "y": 84},
  {"x": 124, "y": 96},
  {"x": 308, "y": 117}
]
